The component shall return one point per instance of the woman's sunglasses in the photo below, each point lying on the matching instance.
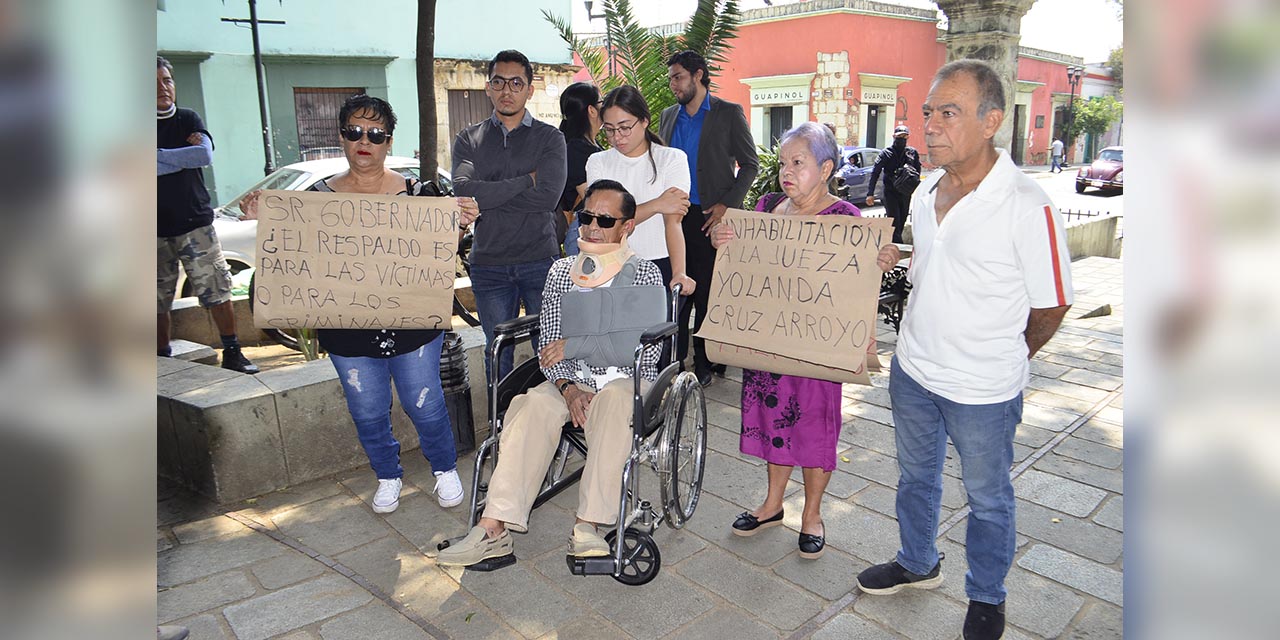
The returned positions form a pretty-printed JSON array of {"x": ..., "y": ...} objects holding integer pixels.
[
  {"x": 605, "y": 222},
  {"x": 353, "y": 133}
]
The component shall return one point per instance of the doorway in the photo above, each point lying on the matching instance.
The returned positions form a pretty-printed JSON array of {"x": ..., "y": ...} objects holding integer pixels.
[
  {"x": 779, "y": 123},
  {"x": 872, "y": 137},
  {"x": 1019, "y": 141}
]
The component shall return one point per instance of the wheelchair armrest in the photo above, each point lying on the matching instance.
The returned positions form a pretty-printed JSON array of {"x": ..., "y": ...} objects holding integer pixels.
[
  {"x": 658, "y": 332},
  {"x": 517, "y": 328}
]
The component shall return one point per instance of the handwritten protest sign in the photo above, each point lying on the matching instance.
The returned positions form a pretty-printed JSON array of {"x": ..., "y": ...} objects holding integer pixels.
[
  {"x": 797, "y": 295},
  {"x": 354, "y": 261}
]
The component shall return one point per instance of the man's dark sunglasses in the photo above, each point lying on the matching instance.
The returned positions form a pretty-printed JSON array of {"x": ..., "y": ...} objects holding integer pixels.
[
  {"x": 605, "y": 222},
  {"x": 353, "y": 133}
]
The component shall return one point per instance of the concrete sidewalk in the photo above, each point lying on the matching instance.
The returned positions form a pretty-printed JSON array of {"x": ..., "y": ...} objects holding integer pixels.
[{"x": 315, "y": 562}]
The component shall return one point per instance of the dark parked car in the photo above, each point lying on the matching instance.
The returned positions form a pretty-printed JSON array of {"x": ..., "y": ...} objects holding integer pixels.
[
  {"x": 856, "y": 176},
  {"x": 1106, "y": 173}
]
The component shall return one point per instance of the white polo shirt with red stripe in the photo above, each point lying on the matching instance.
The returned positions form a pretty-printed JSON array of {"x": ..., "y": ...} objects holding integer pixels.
[{"x": 999, "y": 252}]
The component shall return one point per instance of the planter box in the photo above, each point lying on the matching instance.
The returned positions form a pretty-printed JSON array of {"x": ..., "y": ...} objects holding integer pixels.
[{"x": 231, "y": 436}]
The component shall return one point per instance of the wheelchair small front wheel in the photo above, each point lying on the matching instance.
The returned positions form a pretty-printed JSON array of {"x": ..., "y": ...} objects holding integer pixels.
[
  {"x": 640, "y": 558},
  {"x": 683, "y": 450}
]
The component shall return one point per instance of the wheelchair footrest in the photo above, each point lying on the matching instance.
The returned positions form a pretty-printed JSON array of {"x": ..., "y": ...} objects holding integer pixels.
[
  {"x": 493, "y": 564},
  {"x": 602, "y": 566}
]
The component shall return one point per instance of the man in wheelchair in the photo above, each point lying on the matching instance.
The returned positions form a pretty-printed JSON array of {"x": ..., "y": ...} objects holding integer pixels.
[{"x": 597, "y": 399}]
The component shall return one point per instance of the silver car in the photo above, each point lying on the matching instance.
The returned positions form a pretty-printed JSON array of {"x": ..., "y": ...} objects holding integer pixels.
[
  {"x": 239, "y": 237},
  {"x": 857, "y": 173}
]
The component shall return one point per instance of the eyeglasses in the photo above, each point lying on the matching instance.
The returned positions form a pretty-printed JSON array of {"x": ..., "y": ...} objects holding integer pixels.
[
  {"x": 624, "y": 129},
  {"x": 353, "y": 133},
  {"x": 603, "y": 221},
  {"x": 498, "y": 83}
]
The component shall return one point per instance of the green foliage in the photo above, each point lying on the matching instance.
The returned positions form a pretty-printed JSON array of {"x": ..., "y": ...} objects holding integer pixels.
[
  {"x": 640, "y": 55},
  {"x": 1095, "y": 115},
  {"x": 1116, "y": 62},
  {"x": 766, "y": 181}
]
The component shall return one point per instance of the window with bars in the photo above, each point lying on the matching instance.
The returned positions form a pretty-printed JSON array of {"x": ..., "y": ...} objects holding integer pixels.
[{"x": 316, "y": 109}]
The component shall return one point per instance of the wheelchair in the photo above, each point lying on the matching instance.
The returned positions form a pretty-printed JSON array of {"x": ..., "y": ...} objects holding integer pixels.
[{"x": 669, "y": 435}]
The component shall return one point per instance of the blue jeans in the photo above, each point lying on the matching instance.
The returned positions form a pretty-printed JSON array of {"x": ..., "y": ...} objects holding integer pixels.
[
  {"x": 499, "y": 290},
  {"x": 367, "y": 384},
  {"x": 1057, "y": 164},
  {"x": 983, "y": 435},
  {"x": 571, "y": 238}
]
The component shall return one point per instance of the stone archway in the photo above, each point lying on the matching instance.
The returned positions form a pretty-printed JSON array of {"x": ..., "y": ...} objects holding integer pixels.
[{"x": 989, "y": 31}]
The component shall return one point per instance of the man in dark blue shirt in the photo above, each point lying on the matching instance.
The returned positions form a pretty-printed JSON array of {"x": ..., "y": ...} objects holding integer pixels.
[{"x": 715, "y": 137}]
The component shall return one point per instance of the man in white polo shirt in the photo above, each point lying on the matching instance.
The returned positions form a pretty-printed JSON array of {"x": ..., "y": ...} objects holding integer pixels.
[{"x": 991, "y": 283}]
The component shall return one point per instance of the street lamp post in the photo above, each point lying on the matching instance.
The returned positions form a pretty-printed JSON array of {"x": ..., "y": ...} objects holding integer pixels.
[
  {"x": 608, "y": 39},
  {"x": 1074, "y": 75}
]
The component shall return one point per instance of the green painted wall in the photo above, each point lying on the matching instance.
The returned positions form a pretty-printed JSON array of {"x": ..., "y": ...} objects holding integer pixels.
[
  {"x": 282, "y": 77},
  {"x": 326, "y": 43}
]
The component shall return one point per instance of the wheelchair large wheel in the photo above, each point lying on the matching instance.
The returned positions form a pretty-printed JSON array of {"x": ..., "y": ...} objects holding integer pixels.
[
  {"x": 641, "y": 560},
  {"x": 683, "y": 450}
]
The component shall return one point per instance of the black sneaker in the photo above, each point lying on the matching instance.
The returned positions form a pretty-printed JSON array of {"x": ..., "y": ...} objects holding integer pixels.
[
  {"x": 234, "y": 360},
  {"x": 891, "y": 577},
  {"x": 704, "y": 375},
  {"x": 719, "y": 369},
  {"x": 984, "y": 621}
]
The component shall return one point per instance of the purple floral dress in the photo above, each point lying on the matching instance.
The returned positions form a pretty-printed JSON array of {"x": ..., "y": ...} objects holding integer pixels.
[{"x": 790, "y": 420}]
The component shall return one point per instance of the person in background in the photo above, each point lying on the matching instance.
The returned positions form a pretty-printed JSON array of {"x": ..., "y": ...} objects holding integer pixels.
[
  {"x": 791, "y": 421},
  {"x": 369, "y": 361},
  {"x": 721, "y": 154},
  {"x": 580, "y": 123},
  {"x": 185, "y": 223},
  {"x": 657, "y": 176},
  {"x": 896, "y": 205}
]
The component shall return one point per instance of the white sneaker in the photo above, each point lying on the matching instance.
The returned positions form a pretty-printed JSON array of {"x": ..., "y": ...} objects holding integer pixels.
[
  {"x": 448, "y": 488},
  {"x": 388, "y": 496}
]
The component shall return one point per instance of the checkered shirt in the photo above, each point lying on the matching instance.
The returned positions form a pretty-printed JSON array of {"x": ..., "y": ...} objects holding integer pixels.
[{"x": 558, "y": 283}]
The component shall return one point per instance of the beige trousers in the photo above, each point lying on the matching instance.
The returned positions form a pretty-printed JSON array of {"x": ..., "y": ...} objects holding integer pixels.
[{"x": 528, "y": 443}]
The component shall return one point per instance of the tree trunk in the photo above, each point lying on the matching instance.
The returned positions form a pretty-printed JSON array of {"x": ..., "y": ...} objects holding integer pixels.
[{"x": 426, "y": 61}]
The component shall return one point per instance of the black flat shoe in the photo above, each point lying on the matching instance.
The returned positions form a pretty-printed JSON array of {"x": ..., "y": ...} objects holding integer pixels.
[
  {"x": 811, "y": 546},
  {"x": 749, "y": 525}
]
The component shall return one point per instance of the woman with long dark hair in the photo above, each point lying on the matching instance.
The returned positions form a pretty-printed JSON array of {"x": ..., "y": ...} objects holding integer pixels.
[
  {"x": 657, "y": 175},
  {"x": 580, "y": 123}
]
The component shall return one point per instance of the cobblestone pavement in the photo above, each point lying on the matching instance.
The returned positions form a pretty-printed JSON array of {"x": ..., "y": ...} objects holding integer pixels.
[{"x": 314, "y": 561}]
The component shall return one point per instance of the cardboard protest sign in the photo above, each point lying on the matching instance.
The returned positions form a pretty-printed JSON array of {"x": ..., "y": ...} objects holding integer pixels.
[
  {"x": 354, "y": 261},
  {"x": 797, "y": 295}
]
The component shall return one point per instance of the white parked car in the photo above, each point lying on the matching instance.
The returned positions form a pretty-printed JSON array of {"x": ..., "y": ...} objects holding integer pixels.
[{"x": 239, "y": 237}]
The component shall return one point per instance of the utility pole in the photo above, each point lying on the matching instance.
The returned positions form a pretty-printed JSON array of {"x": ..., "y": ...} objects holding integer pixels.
[{"x": 267, "y": 146}]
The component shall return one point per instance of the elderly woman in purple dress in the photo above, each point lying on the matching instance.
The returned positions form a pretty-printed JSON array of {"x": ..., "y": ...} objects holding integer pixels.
[{"x": 791, "y": 421}]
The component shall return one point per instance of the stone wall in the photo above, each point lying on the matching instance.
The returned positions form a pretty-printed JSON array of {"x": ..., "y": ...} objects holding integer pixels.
[
  {"x": 471, "y": 75},
  {"x": 831, "y": 105}
]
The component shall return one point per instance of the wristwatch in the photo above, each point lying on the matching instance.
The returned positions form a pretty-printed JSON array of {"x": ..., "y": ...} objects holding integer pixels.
[{"x": 564, "y": 385}]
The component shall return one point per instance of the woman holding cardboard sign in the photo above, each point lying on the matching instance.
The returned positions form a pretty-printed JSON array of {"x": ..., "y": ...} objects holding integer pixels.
[
  {"x": 791, "y": 421},
  {"x": 369, "y": 361}
]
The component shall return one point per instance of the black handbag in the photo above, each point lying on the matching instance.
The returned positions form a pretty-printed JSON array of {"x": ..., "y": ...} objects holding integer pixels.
[{"x": 906, "y": 179}]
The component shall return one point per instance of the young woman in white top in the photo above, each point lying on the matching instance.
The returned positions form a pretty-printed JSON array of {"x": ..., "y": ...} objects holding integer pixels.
[{"x": 656, "y": 175}]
